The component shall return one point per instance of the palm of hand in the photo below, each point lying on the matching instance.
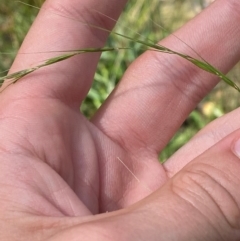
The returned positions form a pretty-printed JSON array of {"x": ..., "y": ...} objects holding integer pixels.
[
  {"x": 56, "y": 163},
  {"x": 74, "y": 163}
]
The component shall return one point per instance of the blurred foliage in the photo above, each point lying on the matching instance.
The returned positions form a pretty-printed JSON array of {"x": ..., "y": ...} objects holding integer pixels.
[
  {"x": 15, "y": 20},
  {"x": 138, "y": 21}
]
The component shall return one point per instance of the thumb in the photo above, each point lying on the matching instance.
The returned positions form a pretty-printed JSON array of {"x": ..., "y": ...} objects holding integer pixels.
[{"x": 202, "y": 201}]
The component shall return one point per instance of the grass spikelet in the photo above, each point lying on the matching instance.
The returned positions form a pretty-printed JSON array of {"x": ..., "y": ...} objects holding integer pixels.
[
  {"x": 14, "y": 77},
  {"x": 146, "y": 45}
]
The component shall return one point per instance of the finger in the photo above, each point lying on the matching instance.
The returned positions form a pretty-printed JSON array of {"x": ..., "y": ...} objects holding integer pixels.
[
  {"x": 159, "y": 91},
  {"x": 203, "y": 140},
  {"x": 69, "y": 80}
]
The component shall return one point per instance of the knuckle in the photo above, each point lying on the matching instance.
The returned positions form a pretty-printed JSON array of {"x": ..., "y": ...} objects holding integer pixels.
[{"x": 208, "y": 193}]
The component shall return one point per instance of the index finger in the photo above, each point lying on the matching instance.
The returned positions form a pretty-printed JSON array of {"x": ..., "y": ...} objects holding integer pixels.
[{"x": 51, "y": 31}]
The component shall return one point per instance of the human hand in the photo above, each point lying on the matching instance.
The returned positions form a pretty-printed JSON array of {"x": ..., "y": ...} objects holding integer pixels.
[{"x": 58, "y": 170}]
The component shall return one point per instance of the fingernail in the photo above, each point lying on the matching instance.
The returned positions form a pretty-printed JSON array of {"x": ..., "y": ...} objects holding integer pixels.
[{"x": 236, "y": 147}]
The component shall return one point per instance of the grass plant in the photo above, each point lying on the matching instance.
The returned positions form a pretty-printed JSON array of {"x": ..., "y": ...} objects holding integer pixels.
[
  {"x": 133, "y": 41},
  {"x": 145, "y": 43}
]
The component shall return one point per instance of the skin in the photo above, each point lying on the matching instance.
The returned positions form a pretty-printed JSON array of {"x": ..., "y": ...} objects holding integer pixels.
[{"x": 58, "y": 170}]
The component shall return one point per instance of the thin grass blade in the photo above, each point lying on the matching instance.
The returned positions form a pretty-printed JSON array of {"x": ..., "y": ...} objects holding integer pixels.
[{"x": 147, "y": 44}]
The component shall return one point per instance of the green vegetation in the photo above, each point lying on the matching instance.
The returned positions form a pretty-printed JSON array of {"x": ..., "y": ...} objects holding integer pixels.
[{"x": 15, "y": 20}]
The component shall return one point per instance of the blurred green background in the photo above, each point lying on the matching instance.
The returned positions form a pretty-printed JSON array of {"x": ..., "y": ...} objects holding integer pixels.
[{"x": 138, "y": 17}]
